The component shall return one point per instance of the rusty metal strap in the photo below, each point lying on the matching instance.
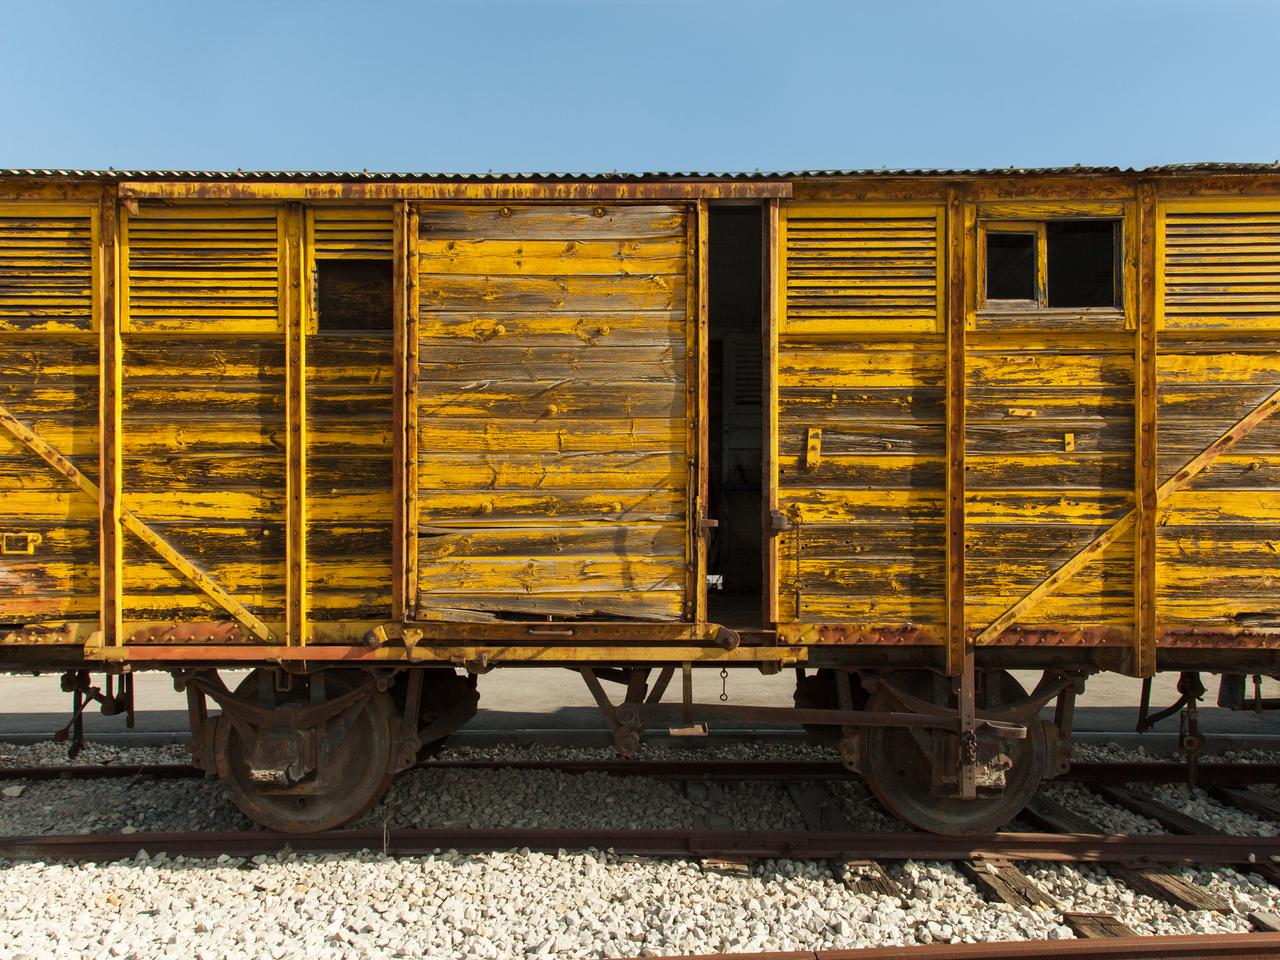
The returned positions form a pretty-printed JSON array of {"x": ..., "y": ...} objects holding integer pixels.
[
  {"x": 46, "y": 452},
  {"x": 1205, "y": 459},
  {"x": 290, "y": 715}
]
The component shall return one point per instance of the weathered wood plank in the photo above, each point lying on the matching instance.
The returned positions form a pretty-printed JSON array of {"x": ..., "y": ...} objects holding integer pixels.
[
  {"x": 623, "y": 434},
  {"x": 555, "y": 472},
  {"x": 1013, "y": 437},
  {"x": 907, "y": 366},
  {"x": 631, "y": 604},
  {"x": 542, "y": 222},
  {"x": 534, "y": 576},
  {"x": 552, "y": 258},
  {"x": 551, "y": 399},
  {"x": 489, "y": 507},
  {"x": 541, "y": 294},
  {"x": 817, "y": 505},
  {"x": 500, "y": 364},
  {"x": 867, "y": 403},
  {"x": 864, "y": 541},
  {"x": 549, "y": 331},
  {"x": 869, "y": 471},
  {"x": 846, "y": 437},
  {"x": 619, "y": 541}
]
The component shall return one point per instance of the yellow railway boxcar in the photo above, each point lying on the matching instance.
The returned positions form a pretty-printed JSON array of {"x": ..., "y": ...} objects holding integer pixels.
[{"x": 371, "y": 435}]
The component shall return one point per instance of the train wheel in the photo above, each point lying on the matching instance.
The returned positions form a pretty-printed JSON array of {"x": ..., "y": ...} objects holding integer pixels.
[
  {"x": 899, "y": 770},
  {"x": 299, "y": 780}
]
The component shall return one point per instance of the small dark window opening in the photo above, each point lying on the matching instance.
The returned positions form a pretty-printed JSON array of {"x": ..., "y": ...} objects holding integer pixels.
[
  {"x": 1011, "y": 266},
  {"x": 354, "y": 294},
  {"x": 1082, "y": 263}
]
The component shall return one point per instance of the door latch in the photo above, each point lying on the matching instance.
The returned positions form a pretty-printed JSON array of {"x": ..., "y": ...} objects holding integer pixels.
[{"x": 778, "y": 521}]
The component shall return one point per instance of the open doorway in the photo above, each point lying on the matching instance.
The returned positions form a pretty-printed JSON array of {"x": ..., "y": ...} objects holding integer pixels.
[{"x": 736, "y": 416}]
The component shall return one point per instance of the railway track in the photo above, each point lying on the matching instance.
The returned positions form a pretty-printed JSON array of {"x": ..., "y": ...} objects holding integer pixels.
[
  {"x": 1229, "y": 946},
  {"x": 1103, "y": 772},
  {"x": 1245, "y": 852},
  {"x": 1148, "y": 863}
]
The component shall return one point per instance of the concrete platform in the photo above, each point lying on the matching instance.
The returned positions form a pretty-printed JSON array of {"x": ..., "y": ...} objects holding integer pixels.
[{"x": 548, "y": 701}]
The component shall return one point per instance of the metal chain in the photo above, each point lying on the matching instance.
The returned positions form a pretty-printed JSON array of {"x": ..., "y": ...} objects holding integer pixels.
[{"x": 724, "y": 684}]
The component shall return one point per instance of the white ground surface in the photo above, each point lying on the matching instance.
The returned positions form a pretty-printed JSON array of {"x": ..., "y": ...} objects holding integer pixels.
[
  {"x": 518, "y": 904},
  {"x": 543, "y": 692},
  {"x": 522, "y": 904}
]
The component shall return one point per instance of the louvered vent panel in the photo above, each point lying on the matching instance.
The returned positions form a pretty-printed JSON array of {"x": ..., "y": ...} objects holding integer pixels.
[
  {"x": 204, "y": 269},
  {"x": 356, "y": 234},
  {"x": 747, "y": 374},
  {"x": 46, "y": 268},
  {"x": 1222, "y": 269},
  {"x": 872, "y": 270}
]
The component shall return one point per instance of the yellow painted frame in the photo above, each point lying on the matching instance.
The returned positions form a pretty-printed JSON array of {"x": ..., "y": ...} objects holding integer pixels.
[
  {"x": 203, "y": 325},
  {"x": 1038, "y": 229},
  {"x": 90, "y": 211},
  {"x": 1015, "y": 213},
  {"x": 1204, "y": 205},
  {"x": 836, "y": 327}
]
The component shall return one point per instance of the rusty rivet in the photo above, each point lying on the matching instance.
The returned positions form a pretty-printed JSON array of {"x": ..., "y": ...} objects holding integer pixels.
[
  {"x": 552, "y": 409},
  {"x": 486, "y": 507},
  {"x": 617, "y": 507},
  {"x": 606, "y": 330},
  {"x": 598, "y": 212},
  {"x": 499, "y": 330},
  {"x": 504, "y": 211}
]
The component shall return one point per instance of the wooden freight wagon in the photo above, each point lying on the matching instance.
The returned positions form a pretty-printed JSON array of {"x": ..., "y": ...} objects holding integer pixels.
[{"x": 372, "y": 435}]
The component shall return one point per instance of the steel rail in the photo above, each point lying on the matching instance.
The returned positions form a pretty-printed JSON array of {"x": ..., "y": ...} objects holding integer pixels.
[
  {"x": 813, "y": 845},
  {"x": 1215, "y": 946},
  {"x": 1112, "y": 772}
]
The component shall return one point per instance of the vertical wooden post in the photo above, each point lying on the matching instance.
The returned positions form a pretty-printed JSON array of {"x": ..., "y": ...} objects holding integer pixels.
[
  {"x": 400, "y": 312},
  {"x": 956, "y": 317},
  {"x": 293, "y": 315},
  {"x": 959, "y": 648},
  {"x": 110, "y": 385},
  {"x": 769, "y": 368},
  {"x": 404, "y": 545},
  {"x": 1145, "y": 467},
  {"x": 411, "y": 342},
  {"x": 702, "y": 452}
]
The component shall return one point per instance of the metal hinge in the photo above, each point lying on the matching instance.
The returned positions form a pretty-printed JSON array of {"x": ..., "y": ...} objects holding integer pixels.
[{"x": 778, "y": 521}]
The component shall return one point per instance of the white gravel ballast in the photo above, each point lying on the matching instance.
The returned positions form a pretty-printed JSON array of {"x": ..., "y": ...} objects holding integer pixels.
[{"x": 521, "y": 904}]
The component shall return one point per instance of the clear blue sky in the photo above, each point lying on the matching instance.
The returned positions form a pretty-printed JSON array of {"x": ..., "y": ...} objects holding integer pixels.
[{"x": 630, "y": 85}]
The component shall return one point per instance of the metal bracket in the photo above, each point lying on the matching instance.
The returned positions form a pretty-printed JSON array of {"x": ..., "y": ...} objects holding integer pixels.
[{"x": 20, "y": 544}]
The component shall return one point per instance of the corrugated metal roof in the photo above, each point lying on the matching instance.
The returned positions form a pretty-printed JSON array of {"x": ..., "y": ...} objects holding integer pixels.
[{"x": 491, "y": 177}]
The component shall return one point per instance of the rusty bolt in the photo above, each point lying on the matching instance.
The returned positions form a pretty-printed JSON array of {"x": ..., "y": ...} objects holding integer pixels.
[
  {"x": 486, "y": 507},
  {"x": 552, "y": 409},
  {"x": 504, "y": 211},
  {"x": 598, "y": 212}
]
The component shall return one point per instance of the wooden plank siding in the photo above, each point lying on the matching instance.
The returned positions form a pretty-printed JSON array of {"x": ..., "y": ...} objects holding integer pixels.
[
  {"x": 50, "y": 297},
  {"x": 526, "y": 440},
  {"x": 552, "y": 414},
  {"x": 204, "y": 434},
  {"x": 1048, "y": 439}
]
